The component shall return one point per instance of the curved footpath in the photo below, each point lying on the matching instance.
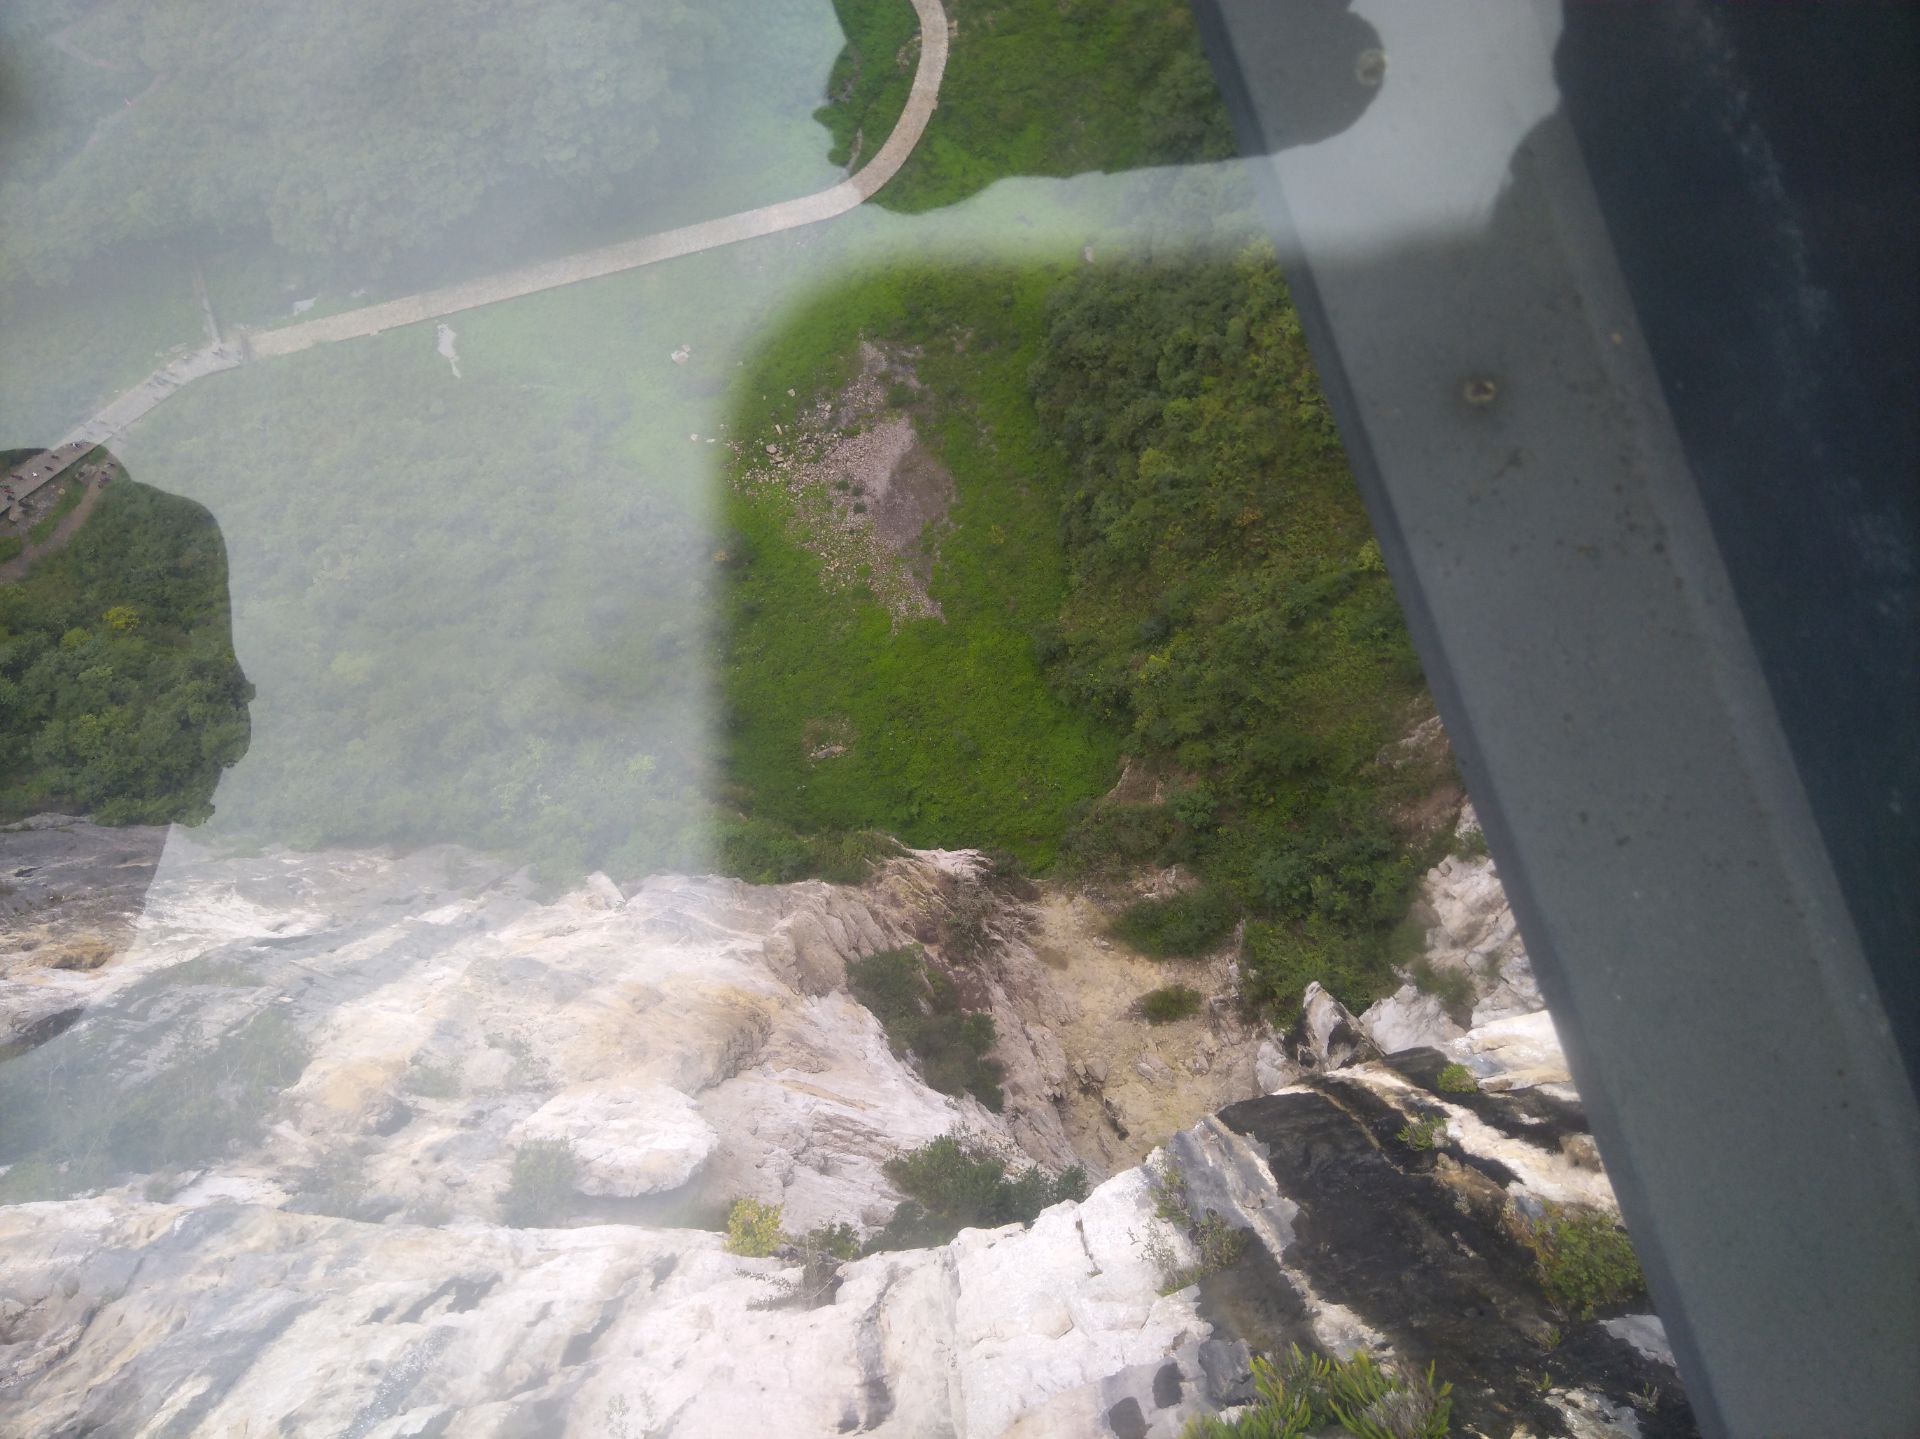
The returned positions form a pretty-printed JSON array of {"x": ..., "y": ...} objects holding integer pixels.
[{"x": 120, "y": 414}]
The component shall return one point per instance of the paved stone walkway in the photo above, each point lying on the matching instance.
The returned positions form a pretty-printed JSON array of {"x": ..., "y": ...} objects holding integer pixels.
[{"x": 527, "y": 280}]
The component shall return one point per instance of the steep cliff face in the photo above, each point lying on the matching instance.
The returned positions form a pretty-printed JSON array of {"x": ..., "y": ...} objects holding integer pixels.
[
  {"x": 70, "y": 893},
  {"x": 284, "y": 1122},
  {"x": 317, "y": 1326},
  {"x": 401, "y": 1028},
  {"x": 1393, "y": 1206}
]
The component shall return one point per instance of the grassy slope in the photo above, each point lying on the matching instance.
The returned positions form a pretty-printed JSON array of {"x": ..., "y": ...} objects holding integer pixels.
[
  {"x": 872, "y": 77},
  {"x": 1167, "y": 514},
  {"x": 1157, "y": 549},
  {"x": 958, "y": 738}
]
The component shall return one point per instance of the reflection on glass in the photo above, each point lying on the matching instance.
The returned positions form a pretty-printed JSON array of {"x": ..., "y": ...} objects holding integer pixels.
[{"x": 704, "y": 646}]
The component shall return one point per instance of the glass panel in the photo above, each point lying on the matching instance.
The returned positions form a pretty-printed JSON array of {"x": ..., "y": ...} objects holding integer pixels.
[{"x": 701, "y": 733}]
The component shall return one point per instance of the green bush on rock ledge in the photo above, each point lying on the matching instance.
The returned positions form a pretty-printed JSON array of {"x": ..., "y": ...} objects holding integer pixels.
[
  {"x": 951, "y": 1185},
  {"x": 919, "y": 1009},
  {"x": 540, "y": 1186},
  {"x": 1219, "y": 1244},
  {"x": 753, "y": 1229},
  {"x": 1307, "y": 1394},
  {"x": 1427, "y": 1132},
  {"x": 1584, "y": 1259}
]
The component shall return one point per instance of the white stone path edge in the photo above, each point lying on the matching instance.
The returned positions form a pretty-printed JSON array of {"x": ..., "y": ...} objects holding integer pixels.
[{"x": 116, "y": 417}]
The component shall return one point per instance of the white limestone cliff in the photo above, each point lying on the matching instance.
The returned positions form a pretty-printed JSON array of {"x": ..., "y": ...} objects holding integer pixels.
[{"x": 342, "y": 1266}]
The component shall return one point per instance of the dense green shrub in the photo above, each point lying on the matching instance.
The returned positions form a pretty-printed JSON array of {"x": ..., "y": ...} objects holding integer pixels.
[
  {"x": 33, "y": 1181},
  {"x": 540, "y": 1187},
  {"x": 1280, "y": 958},
  {"x": 835, "y": 1241},
  {"x": 762, "y": 852},
  {"x": 919, "y": 1009},
  {"x": 1584, "y": 1258},
  {"x": 753, "y": 1229},
  {"x": 820, "y": 1252},
  {"x": 951, "y": 1185},
  {"x": 1470, "y": 844},
  {"x": 1220, "y": 1244},
  {"x": 1178, "y": 924},
  {"x": 1169, "y": 1003},
  {"x": 1230, "y": 613},
  {"x": 1349, "y": 868},
  {"x": 1457, "y": 1079},
  {"x": 1108, "y": 837}
]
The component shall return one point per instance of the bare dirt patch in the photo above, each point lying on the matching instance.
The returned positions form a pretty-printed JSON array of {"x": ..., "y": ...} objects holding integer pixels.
[
  {"x": 1133, "y": 1083},
  {"x": 868, "y": 497}
]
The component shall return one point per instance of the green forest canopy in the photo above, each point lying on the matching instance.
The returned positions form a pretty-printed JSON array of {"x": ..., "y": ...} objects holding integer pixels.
[
  {"x": 119, "y": 692},
  {"x": 1033, "y": 87}
]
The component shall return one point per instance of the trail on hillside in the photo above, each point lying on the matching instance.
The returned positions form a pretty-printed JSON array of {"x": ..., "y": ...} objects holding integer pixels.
[{"x": 118, "y": 416}]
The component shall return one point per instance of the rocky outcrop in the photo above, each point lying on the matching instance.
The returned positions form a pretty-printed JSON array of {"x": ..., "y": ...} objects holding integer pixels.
[
  {"x": 287, "y": 1118},
  {"x": 250, "y": 1317},
  {"x": 1409, "y": 1019},
  {"x": 626, "y": 1140},
  {"x": 401, "y": 1028},
  {"x": 1388, "y": 1245},
  {"x": 1326, "y": 1036},
  {"x": 1472, "y": 969}
]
